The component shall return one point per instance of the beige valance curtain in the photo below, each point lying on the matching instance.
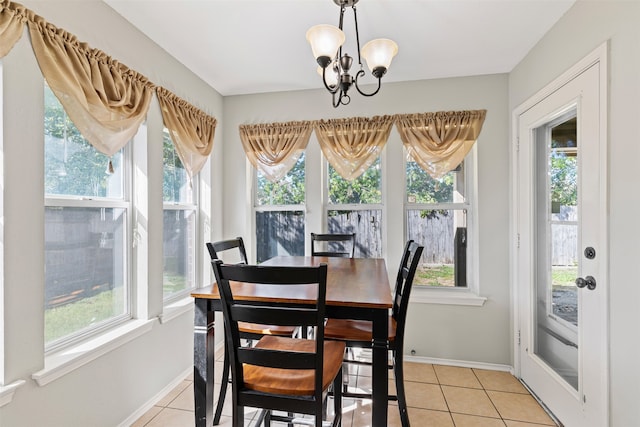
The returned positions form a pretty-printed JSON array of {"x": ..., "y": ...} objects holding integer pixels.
[
  {"x": 12, "y": 19},
  {"x": 439, "y": 142},
  {"x": 105, "y": 100},
  {"x": 274, "y": 148},
  {"x": 351, "y": 145},
  {"x": 191, "y": 130}
]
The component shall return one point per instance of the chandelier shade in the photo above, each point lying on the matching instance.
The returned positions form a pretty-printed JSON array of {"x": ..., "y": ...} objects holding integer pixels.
[
  {"x": 378, "y": 53},
  {"x": 327, "y": 43},
  {"x": 325, "y": 40}
]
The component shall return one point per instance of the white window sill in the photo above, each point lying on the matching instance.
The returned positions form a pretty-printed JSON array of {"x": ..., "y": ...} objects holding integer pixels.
[
  {"x": 176, "y": 309},
  {"x": 446, "y": 296},
  {"x": 7, "y": 391},
  {"x": 67, "y": 360}
]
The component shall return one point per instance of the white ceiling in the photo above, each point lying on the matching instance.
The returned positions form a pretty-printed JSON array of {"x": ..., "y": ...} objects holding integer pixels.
[{"x": 255, "y": 46}]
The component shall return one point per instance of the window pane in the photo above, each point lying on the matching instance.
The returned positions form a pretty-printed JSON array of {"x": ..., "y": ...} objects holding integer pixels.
[
  {"x": 84, "y": 264},
  {"x": 288, "y": 191},
  {"x": 72, "y": 167},
  {"x": 443, "y": 233},
  {"x": 179, "y": 242},
  {"x": 421, "y": 188},
  {"x": 176, "y": 187},
  {"x": 366, "y": 225},
  {"x": 279, "y": 233},
  {"x": 366, "y": 189}
]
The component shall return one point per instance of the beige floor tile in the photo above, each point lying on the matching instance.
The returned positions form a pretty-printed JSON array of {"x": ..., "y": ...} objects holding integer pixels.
[
  {"x": 462, "y": 420},
  {"x": 499, "y": 381},
  {"x": 184, "y": 400},
  {"x": 453, "y": 375},
  {"x": 420, "y": 372},
  {"x": 425, "y": 396},
  {"x": 426, "y": 418},
  {"x": 174, "y": 393},
  {"x": 148, "y": 416},
  {"x": 511, "y": 423},
  {"x": 469, "y": 401},
  {"x": 170, "y": 417},
  {"x": 519, "y": 407}
]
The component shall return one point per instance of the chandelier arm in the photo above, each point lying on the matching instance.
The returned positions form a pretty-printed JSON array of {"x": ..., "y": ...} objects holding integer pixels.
[
  {"x": 361, "y": 73},
  {"x": 335, "y": 89},
  {"x": 355, "y": 19},
  {"x": 340, "y": 25}
]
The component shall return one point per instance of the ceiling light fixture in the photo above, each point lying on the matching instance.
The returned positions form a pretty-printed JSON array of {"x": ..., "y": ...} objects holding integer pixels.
[{"x": 326, "y": 43}]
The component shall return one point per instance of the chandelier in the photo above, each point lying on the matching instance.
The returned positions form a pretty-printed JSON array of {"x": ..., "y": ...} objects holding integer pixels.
[{"x": 326, "y": 43}]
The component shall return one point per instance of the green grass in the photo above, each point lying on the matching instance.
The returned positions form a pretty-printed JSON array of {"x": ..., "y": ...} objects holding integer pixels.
[
  {"x": 70, "y": 318},
  {"x": 564, "y": 276},
  {"x": 436, "y": 275}
]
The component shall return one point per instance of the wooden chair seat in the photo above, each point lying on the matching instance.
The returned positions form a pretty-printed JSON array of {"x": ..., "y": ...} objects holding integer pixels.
[
  {"x": 296, "y": 382},
  {"x": 260, "y": 329},
  {"x": 355, "y": 330}
]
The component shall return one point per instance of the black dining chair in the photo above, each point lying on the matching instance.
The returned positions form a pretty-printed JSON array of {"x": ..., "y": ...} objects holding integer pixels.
[
  {"x": 333, "y": 245},
  {"x": 248, "y": 331},
  {"x": 280, "y": 373},
  {"x": 359, "y": 333}
]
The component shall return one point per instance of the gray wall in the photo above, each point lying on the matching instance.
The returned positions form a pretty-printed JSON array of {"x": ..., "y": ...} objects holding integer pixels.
[
  {"x": 583, "y": 28},
  {"x": 111, "y": 388},
  {"x": 480, "y": 334}
]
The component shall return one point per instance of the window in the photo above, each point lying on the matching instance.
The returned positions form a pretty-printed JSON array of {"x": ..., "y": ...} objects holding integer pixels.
[
  {"x": 437, "y": 212},
  {"x": 179, "y": 225},
  {"x": 87, "y": 211},
  {"x": 279, "y": 213},
  {"x": 356, "y": 207}
]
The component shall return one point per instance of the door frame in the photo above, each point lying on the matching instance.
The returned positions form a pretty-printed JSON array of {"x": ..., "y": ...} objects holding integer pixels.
[{"x": 599, "y": 55}]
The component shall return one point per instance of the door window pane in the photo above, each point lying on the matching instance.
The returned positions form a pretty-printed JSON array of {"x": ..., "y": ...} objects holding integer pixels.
[{"x": 556, "y": 261}]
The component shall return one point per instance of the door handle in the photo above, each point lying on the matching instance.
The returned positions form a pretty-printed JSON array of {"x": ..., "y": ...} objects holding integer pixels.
[{"x": 588, "y": 281}]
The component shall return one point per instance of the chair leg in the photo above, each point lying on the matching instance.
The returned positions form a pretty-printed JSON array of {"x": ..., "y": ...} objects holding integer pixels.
[
  {"x": 398, "y": 370},
  {"x": 224, "y": 383},
  {"x": 337, "y": 399},
  {"x": 238, "y": 416}
]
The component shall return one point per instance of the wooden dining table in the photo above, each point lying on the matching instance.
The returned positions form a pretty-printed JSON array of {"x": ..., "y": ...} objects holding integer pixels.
[{"x": 357, "y": 288}]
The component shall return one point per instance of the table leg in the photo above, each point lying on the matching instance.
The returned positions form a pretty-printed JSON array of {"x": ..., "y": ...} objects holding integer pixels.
[
  {"x": 203, "y": 362},
  {"x": 380, "y": 368}
]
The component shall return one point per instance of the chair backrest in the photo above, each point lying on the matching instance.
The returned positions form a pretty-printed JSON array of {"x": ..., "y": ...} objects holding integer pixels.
[
  {"x": 299, "y": 279},
  {"x": 215, "y": 248},
  {"x": 344, "y": 245},
  {"x": 404, "y": 282}
]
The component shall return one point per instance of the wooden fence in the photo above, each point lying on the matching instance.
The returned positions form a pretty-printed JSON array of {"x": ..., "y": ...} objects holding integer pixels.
[{"x": 283, "y": 233}]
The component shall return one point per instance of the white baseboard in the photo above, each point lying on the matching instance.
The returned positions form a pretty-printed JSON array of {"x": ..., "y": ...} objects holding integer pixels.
[
  {"x": 155, "y": 399},
  {"x": 460, "y": 363}
]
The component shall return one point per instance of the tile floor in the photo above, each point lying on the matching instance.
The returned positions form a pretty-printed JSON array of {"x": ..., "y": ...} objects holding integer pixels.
[{"x": 437, "y": 396}]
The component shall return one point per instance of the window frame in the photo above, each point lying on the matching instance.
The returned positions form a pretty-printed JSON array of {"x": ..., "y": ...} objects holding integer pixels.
[
  {"x": 194, "y": 206},
  {"x": 252, "y": 252},
  {"x": 126, "y": 203},
  {"x": 469, "y": 295},
  {"x": 355, "y": 207}
]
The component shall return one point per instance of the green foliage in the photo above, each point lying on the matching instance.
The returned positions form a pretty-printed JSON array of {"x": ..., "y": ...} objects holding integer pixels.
[
  {"x": 290, "y": 190},
  {"x": 72, "y": 166},
  {"x": 174, "y": 174},
  {"x": 363, "y": 190},
  {"x": 421, "y": 188},
  {"x": 564, "y": 174}
]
